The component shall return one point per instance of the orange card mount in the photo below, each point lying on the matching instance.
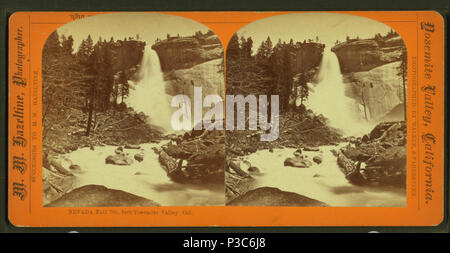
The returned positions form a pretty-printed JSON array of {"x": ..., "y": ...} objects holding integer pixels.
[{"x": 226, "y": 119}]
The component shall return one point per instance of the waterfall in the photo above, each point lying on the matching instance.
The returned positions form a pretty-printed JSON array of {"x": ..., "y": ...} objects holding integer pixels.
[
  {"x": 327, "y": 97},
  {"x": 148, "y": 94}
]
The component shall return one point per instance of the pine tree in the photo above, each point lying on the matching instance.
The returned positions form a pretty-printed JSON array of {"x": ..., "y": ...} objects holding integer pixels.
[
  {"x": 67, "y": 45},
  {"x": 233, "y": 49},
  {"x": 124, "y": 88},
  {"x": 403, "y": 73},
  {"x": 264, "y": 52},
  {"x": 246, "y": 47}
]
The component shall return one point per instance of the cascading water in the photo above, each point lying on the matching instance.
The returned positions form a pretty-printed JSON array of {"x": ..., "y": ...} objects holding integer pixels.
[
  {"x": 327, "y": 97},
  {"x": 148, "y": 95}
]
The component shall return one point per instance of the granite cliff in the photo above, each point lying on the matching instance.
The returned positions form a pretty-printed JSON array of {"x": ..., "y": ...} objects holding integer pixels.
[
  {"x": 372, "y": 69},
  {"x": 192, "y": 61}
]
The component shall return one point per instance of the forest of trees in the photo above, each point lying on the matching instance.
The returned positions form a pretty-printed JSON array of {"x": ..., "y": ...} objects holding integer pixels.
[
  {"x": 268, "y": 71},
  {"x": 92, "y": 79}
]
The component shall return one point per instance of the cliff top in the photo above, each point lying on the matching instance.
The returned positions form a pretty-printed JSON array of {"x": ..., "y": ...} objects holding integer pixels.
[
  {"x": 370, "y": 44},
  {"x": 188, "y": 42}
]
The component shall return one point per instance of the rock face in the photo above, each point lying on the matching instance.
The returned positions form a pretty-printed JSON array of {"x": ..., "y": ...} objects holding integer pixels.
[
  {"x": 196, "y": 158},
  {"x": 269, "y": 196},
  {"x": 186, "y": 52},
  {"x": 307, "y": 56},
  {"x": 371, "y": 67},
  {"x": 192, "y": 61},
  {"x": 382, "y": 90},
  {"x": 99, "y": 196},
  {"x": 366, "y": 54},
  {"x": 381, "y": 159},
  {"x": 208, "y": 75}
]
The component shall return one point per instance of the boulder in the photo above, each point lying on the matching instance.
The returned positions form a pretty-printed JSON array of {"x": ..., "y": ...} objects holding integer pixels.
[
  {"x": 380, "y": 159},
  {"x": 130, "y": 146},
  {"x": 253, "y": 170},
  {"x": 297, "y": 162},
  {"x": 61, "y": 165},
  {"x": 119, "y": 159},
  {"x": 157, "y": 150},
  {"x": 99, "y": 196},
  {"x": 118, "y": 150},
  {"x": 306, "y": 148},
  {"x": 270, "y": 196},
  {"x": 297, "y": 154},
  {"x": 139, "y": 157},
  {"x": 196, "y": 160},
  {"x": 75, "y": 168},
  {"x": 317, "y": 159},
  {"x": 55, "y": 184}
]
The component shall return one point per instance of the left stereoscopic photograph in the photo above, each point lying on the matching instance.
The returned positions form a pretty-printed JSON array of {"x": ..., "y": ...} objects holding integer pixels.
[{"x": 108, "y": 131}]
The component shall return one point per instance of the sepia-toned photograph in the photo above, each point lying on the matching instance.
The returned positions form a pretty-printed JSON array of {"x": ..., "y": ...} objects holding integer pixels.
[
  {"x": 108, "y": 135},
  {"x": 341, "y": 83}
]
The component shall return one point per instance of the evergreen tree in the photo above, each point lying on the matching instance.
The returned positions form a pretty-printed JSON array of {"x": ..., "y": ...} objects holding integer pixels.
[
  {"x": 233, "y": 49},
  {"x": 246, "y": 47},
  {"x": 67, "y": 45},
  {"x": 403, "y": 73}
]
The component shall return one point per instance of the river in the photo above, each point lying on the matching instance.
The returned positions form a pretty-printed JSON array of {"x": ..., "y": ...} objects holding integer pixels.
[
  {"x": 145, "y": 179},
  {"x": 324, "y": 182}
]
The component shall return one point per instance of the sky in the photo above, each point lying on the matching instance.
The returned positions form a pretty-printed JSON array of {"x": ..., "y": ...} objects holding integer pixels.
[
  {"x": 329, "y": 27},
  {"x": 149, "y": 26}
]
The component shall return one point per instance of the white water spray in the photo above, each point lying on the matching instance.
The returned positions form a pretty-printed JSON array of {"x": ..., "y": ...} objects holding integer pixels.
[
  {"x": 327, "y": 97},
  {"x": 148, "y": 95}
]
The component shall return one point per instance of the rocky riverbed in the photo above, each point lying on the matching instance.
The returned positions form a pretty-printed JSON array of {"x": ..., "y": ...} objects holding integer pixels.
[
  {"x": 131, "y": 173},
  {"x": 325, "y": 174}
]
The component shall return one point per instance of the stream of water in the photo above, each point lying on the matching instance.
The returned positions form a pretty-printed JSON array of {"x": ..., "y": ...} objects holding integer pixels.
[
  {"x": 145, "y": 179},
  {"x": 324, "y": 182}
]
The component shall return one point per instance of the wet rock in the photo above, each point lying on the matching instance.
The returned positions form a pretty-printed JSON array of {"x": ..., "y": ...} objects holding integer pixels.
[
  {"x": 197, "y": 160},
  {"x": 118, "y": 150},
  {"x": 157, "y": 150},
  {"x": 99, "y": 196},
  {"x": 250, "y": 150},
  {"x": 317, "y": 159},
  {"x": 61, "y": 165},
  {"x": 253, "y": 170},
  {"x": 365, "y": 138},
  {"x": 139, "y": 157},
  {"x": 270, "y": 196},
  {"x": 119, "y": 159},
  {"x": 55, "y": 184},
  {"x": 75, "y": 168},
  {"x": 334, "y": 152},
  {"x": 307, "y": 148},
  {"x": 378, "y": 161},
  {"x": 297, "y": 162},
  {"x": 130, "y": 146},
  {"x": 169, "y": 164}
]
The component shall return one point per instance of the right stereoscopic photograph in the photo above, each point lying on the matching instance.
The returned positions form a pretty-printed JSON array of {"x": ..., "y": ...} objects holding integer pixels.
[{"x": 335, "y": 87}]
